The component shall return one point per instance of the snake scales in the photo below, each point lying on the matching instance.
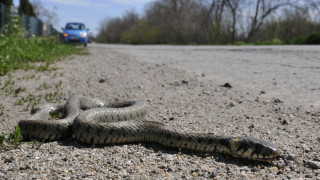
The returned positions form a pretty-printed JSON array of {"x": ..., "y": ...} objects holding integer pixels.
[{"x": 91, "y": 121}]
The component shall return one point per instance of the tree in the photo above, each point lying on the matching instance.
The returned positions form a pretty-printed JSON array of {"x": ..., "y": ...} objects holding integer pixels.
[
  {"x": 314, "y": 4},
  {"x": 262, "y": 9},
  {"x": 26, "y": 8},
  {"x": 46, "y": 15},
  {"x": 233, "y": 5},
  {"x": 178, "y": 18},
  {"x": 111, "y": 29},
  {"x": 6, "y": 2},
  {"x": 218, "y": 15},
  {"x": 214, "y": 21}
]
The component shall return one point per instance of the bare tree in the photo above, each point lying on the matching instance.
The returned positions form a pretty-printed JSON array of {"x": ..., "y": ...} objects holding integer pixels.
[
  {"x": 213, "y": 21},
  {"x": 178, "y": 18},
  {"x": 314, "y": 4},
  {"x": 234, "y": 5},
  {"x": 46, "y": 15},
  {"x": 262, "y": 9},
  {"x": 296, "y": 22},
  {"x": 111, "y": 29}
]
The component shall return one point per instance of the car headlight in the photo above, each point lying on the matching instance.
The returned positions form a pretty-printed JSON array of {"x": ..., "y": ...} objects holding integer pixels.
[{"x": 84, "y": 34}]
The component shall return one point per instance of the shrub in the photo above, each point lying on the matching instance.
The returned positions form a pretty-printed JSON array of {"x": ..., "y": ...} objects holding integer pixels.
[
  {"x": 313, "y": 38},
  {"x": 270, "y": 42},
  {"x": 142, "y": 33}
]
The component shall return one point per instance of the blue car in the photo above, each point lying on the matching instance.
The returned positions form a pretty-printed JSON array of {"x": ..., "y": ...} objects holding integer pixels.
[{"x": 75, "y": 33}]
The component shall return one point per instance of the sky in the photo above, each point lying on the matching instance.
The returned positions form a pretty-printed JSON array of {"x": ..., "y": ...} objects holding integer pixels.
[{"x": 90, "y": 12}]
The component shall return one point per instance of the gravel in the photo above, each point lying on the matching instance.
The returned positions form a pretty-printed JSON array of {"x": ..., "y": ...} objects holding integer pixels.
[{"x": 185, "y": 100}]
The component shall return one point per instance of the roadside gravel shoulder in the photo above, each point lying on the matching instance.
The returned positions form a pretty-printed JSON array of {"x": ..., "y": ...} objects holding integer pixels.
[{"x": 185, "y": 101}]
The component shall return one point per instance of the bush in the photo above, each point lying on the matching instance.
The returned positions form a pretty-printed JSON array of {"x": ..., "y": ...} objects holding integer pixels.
[
  {"x": 142, "y": 33},
  {"x": 313, "y": 38},
  {"x": 239, "y": 43},
  {"x": 270, "y": 42}
]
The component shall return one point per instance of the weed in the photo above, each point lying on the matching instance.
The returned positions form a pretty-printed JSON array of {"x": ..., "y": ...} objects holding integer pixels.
[
  {"x": 58, "y": 85},
  {"x": 9, "y": 88},
  {"x": 8, "y": 84},
  {"x": 18, "y": 90},
  {"x": 1, "y": 109},
  {"x": 30, "y": 99},
  {"x": 11, "y": 140},
  {"x": 43, "y": 86},
  {"x": 29, "y": 77},
  {"x": 17, "y": 138},
  {"x": 36, "y": 144},
  {"x": 53, "y": 96},
  {"x": 57, "y": 115},
  {"x": 22, "y": 53}
]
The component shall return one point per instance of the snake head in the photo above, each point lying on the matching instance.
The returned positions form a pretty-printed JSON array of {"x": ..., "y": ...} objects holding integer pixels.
[{"x": 253, "y": 148}]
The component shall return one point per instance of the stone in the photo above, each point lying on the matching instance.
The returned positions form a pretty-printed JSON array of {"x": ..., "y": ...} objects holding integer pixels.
[{"x": 313, "y": 164}]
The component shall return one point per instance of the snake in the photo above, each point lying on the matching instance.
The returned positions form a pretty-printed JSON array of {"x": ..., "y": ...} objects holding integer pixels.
[{"x": 92, "y": 121}]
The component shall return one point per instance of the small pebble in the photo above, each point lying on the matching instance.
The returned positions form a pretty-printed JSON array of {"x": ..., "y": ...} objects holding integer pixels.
[
  {"x": 313, "y": 164},
  {"x": 206, "y": 92},
  {"x": 284, "y": 122},
  {"x": 227, "y": 85},
  {"x": 184, "y": 82},
  {"x": 7, "y": 160},
  {"x": 102, "y": 80},
  {"x": 232, "y": 104},
  {"x": 291, "y": 157}
]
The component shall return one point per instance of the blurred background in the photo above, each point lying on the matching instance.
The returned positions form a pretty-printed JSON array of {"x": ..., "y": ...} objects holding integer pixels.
[{"x": 181, "y": 21}]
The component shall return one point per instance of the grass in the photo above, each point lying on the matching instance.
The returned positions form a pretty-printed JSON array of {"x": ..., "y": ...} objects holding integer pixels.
[
  {"x": 12, "y": 140},
  {"x": 9, "y": 87},
  {"x": 20, "y": 51},
  {"x": 24, "y": 53},
  {"x": 268, "y": 42},
  {"x": 53, "y": 96},
  {"x": 1, "y": 109}
]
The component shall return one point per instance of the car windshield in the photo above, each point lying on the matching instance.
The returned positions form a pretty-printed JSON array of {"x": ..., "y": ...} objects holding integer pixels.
[{"x": 75, "y": 26}]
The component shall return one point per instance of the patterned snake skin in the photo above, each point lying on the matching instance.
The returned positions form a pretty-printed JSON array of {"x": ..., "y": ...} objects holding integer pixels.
[{"x": 93, "y": 122}]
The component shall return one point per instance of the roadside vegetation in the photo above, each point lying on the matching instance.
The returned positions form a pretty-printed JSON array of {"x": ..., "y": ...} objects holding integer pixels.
[
  {"x": 239, "y": 22},
  {"x": 22, "y": 53},
  {"x": 19, "y": 49},
  {"x": 11, "y": 140}
]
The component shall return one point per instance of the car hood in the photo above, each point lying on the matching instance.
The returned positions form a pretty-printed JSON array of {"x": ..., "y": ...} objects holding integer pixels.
[{"x": 74, "y": 32}]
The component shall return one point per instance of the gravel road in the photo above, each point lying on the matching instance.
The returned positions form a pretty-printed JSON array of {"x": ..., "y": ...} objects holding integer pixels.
[
  {"x": 274, "y": 96},
  {"x": 291, "y": 73}
]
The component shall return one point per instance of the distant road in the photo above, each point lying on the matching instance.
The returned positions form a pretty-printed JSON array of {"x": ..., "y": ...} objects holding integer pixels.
[{"x": 290, "y": 73}]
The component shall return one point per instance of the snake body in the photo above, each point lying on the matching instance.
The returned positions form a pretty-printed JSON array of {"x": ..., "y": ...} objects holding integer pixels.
[
  {"x": 123, "y": 122},
  {"x": 39, "y": 127}
]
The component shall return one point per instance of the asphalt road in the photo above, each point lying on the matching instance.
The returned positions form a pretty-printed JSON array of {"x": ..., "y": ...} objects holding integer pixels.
[{"x": 289, "y": 73}]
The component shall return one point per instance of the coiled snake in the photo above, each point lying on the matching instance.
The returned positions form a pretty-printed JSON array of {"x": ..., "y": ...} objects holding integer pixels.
[{"x": 91, "y": 121}]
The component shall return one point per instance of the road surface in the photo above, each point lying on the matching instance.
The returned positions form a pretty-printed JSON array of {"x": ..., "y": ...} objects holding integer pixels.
[{"x": 290, "y": 73}]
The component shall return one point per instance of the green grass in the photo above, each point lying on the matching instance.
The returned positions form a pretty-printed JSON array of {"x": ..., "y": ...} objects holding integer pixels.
[
  {"x": 12, "y": 140},
  {"x": 268, "y": 42},
  {"x": 23, "y": 53},
  {"x": 1, "y": 109}
]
